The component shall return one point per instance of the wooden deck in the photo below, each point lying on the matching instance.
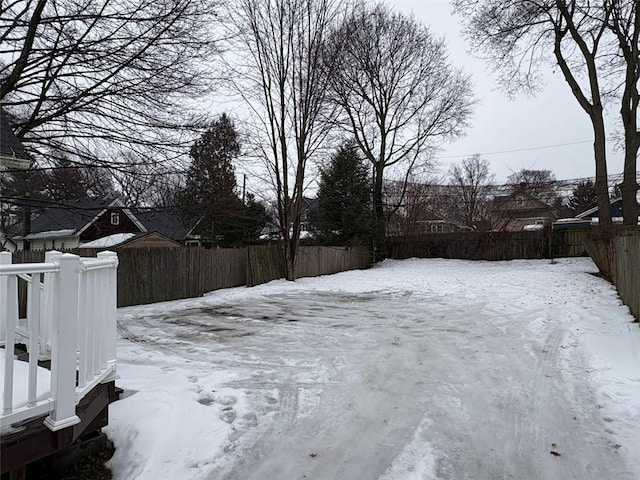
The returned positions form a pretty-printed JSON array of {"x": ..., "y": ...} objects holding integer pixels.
[{"x": 36, "y": 441}]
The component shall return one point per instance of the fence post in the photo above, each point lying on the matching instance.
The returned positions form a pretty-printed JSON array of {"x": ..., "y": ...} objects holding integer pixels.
[
  {"x": 111, "y": 305},
  {"x": 64, "y": 345}
]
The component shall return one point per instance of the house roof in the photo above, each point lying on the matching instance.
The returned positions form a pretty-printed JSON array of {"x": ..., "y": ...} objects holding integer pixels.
[
  {"x": 162, "y": 221},
  {"x": 72, "y": 216},
  {"x": 591, "y": 211},
  {"x": 500, "y": 202},
  {"x": 108, "y": 241},
  {"x": 5, "y": 240},
  {"x": 121, "y": 239},
  {"x": 11, "y": 148}
]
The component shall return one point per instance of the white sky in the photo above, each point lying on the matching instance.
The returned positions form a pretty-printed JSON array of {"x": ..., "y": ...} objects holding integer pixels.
[{"x": 553, "y": 117}]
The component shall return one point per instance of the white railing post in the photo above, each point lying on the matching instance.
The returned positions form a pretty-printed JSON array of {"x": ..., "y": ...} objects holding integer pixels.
[
  {"x": 111, "y": 306},
  {"x": 5, "y": 259},
  {"x": 9, "y": 319},
  {"x": 48, "y": 302},
  {"x": 33, "y": 326},
  {"x": 64, "y": 345}
]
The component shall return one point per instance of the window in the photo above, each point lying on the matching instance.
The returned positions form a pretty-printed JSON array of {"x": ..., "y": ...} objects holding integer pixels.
[
  {"x": 437, "y": 228},
  {"x": 115, "y": 218},
  {"x": 519, "y": 201}
]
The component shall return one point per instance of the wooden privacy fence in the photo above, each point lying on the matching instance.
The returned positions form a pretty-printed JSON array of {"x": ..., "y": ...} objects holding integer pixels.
[
  {"x": 471, "y": 245},
  {"x": 569, "y": 243},
  {"x": 159, "y": 274},
  {"x": 148, "y": 275},
  {"x": 616, "y": 252},
  {"x": 316, "y": 261},
  {"x": 265, "y": 262}
]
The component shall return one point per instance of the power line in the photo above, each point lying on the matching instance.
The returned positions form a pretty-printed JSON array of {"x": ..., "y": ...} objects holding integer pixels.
[{"x": 529, "y": 149}]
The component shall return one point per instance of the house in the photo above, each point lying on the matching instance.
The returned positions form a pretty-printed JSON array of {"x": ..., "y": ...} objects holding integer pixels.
[
  {"x": 516, "y": 211},
  {"x": 80, "y": 222},
  {"x": 615, "y": 207},
  {"x": 12, "y": 152},
  {"x": 12, "y": 156},
  {"x": 590, "y": 217},
  {"x": 6, "y": 243},
  {"x": 422, "y": 221}
]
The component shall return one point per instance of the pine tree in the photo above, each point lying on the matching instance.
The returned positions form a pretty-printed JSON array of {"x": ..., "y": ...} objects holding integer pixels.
[
  {"x": 583, "y": 197},
  {"x": 344, "y": 211},
  {"x": 210, "y": 196}
]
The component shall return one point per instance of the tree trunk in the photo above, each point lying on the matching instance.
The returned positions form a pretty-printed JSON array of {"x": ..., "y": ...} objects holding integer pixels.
[
  {"x": 289, "y": 260},
  {"x": 378, "y": 203},
  {"x": 629, "y": 187},
  {"x": 601, "y": 183}
]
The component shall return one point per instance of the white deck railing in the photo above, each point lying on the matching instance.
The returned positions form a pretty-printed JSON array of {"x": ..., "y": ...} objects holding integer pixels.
[{"x": 71, "y": 320}]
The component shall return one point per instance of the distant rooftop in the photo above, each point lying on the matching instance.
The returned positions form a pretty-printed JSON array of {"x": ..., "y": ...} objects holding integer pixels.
[{"x": 12, "y": 152}]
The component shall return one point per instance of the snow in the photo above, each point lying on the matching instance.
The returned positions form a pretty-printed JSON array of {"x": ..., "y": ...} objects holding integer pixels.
[
  {"x": 108, "y": 241},
  {"x": 67, "y": 232},
  {"x": 21, "y": 384},
  {"x": 415, "y": 369},
  {"x": 533, "y": 227}
]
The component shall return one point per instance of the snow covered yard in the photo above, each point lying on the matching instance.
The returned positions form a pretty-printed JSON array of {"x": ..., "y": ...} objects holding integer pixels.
[{"x": 415, "y": 369}]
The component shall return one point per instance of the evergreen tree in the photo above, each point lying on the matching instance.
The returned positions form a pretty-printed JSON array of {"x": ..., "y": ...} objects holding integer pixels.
[
  {"x": 209, "y": 196},
  {"x": 583, "y": 197},
  {"x": 344, "y": 210},
  {"x": 254, "y": 218}
]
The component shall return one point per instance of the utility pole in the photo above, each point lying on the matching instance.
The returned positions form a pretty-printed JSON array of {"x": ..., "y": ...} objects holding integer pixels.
[{"x": 244, "y": 188}]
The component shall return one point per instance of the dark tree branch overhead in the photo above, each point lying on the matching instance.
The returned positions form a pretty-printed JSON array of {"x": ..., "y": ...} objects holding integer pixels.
[{"x": 90, "y": 80}]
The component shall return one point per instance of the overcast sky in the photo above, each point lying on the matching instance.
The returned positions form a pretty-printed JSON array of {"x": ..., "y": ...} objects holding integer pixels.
[{"x": 553, "y": 117}]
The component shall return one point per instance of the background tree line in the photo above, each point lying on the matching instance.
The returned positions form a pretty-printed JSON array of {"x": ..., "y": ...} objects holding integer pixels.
[{"x": 116, "y": 88}]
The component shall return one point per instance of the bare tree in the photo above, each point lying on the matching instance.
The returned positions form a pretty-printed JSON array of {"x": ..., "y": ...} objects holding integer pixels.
[
  {"x": 284, "y": 80},
  {"x": 143, "y": 182},
  {"x": 518, "y": 36},
  {"x": 417, "y": 202},
  {"x": 88, "y": 79},
  {"x": 624, "y": 23},
  {"x": 399, "y": 96},
  {"x": 471, "y": 184},
  {"x": 541, "y": 184}
]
